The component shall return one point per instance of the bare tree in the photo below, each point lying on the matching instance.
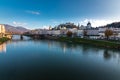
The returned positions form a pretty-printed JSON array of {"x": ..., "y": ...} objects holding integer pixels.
[
  {"x": 108, "y": 33},
  {"x": 69, "y": 34}
]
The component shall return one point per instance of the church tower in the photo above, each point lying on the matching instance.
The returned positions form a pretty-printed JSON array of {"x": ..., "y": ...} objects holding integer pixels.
[{"x": 89, "y": 25}]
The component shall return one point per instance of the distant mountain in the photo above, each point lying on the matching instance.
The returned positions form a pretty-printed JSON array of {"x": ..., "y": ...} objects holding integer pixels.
[
  {"x": 115, "y": 25},
  {"x": 15, "y": 30}
]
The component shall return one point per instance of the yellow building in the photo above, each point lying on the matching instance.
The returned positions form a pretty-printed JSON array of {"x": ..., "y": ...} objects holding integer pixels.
[
  {"x": 3, "y": 32},
  {"x": 2, "y": 28}
]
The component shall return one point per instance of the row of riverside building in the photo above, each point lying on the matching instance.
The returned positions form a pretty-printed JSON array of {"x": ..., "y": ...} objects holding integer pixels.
[{"x": 78, "y": 31}]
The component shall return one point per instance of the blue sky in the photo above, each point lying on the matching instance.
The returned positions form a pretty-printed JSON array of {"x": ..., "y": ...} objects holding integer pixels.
[{"x": 43, "y": 13}]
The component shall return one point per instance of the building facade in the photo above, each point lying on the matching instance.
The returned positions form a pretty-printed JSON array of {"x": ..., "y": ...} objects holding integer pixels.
[{"x": 2, "y": 28}]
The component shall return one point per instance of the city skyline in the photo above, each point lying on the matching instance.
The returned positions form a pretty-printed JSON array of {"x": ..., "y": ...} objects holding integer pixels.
[{"x": 43, "y": 13}]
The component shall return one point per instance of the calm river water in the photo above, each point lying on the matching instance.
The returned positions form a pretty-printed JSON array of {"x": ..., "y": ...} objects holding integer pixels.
[{"x": 52, "y": 60}]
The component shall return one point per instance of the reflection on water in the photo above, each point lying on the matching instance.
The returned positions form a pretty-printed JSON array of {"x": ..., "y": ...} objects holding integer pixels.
[
  {"x": 18, "y": 38},
  {"x": 3, "y": 48},
  {"x": 84, "y": 49},
  {"x": 111, "y": 55},
  {"x": 15, "y": 40},
  {"x": 65, "y": 48},
  {"x": 53, "y": 60},
  {"x": 107, "y": 55}
]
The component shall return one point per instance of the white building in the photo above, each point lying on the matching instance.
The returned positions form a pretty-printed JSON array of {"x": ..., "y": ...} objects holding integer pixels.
[
  {"x": 116, "y": 32},
  {"x": 49, "y": 32},
  {"x": 93, "y": 33},
  {"x": 89, "y": 25},
  {"x": 82, "y": 27},
  {"x": 80, "y": 33},
  {"x": 63, "y": 32},
  {"x": 55, "y": 32},
  {"x": 73, "y": 30},
  {"x": 102, "y": 32}
]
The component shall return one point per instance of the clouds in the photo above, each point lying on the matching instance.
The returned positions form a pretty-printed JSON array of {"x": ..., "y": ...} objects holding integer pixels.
[
  {"x": 98, "y": 22},
  {"x": 19, "y": 23},
  {"x": 32, "y": 12},
  {"x": 45, "y": 27},
  {"x": 56, "y": 22}
]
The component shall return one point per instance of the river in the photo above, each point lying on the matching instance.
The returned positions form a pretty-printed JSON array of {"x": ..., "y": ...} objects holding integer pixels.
[{"x": 29, "y": 59}]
